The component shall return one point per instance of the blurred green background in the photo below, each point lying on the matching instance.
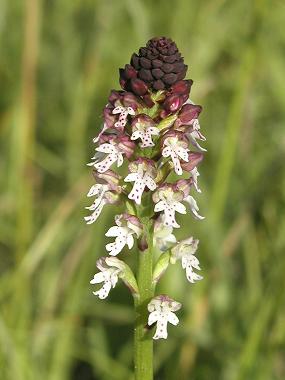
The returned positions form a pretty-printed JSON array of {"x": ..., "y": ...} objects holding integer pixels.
[{"x": 58, "y": 62}]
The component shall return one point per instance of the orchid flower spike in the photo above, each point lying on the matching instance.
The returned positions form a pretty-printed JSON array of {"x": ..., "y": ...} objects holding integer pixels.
[{"x": 146, "y": 162}]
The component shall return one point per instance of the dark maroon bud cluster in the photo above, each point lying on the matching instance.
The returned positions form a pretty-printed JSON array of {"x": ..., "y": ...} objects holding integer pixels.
[{"x": 157, "y": 66}]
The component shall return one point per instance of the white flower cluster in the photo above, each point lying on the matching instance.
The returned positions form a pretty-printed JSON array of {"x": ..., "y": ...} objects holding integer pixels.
[{"x": 153, "y": 147}]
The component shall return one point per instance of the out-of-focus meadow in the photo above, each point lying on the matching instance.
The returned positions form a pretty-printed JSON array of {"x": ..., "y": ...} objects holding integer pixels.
[{"x": 59, "y": 60}]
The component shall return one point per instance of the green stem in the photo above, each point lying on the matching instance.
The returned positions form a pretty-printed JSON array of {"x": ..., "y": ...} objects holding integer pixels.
[{"x": 143, "y": 343}]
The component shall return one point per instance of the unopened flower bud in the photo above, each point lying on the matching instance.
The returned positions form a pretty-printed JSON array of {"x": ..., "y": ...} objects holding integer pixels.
[
  {"x": 194, "y": 158},
  {"x": 126, "y": 145},
  {"x": 182, "y": 87},
  {"x": 109, "y": 177},
  {"x": 187, "y": 114},
  {"x": 172, "y": 103},
  {"x": 138, "y": 86}
]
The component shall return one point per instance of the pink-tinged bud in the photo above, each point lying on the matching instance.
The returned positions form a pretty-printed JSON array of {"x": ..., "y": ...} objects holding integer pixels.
[
  {"x": 168, "y": 190},
  {"x": 147, "y": 164},
  {"x": 178, "y": 134},
  {"x": 148, "y": 101},
  {"x": 187, "y": 114},
  {"x": 109, "y": 177},
  {"x": 194, "y": 158},
  {"x": 142, "y": 244},
  {"x": 126, "y": 145},
  {"x": 107, "y": 137},
  {"x": 130, "y": 100},
  {"x": 123, "y": 80},
  {"x": 181, "y": 88},
  {"x": 130, "y": 72},
  {"x": 172, "y": 103},
  {"x": 173, "y": 305},
  {"x": 138, "y": 86},
  {"x": 111, "y": 197},
  {"x": 109, "y": 118},
  {"x": 184, "y": 185},
  {"x": 143, "y": 119},
  {"x": 114, "y": 96},
  {"x": 132, "y": 222}
]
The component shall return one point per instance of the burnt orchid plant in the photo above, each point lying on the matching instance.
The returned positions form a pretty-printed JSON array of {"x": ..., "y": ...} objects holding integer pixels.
[{"x": 146, "y": 159}]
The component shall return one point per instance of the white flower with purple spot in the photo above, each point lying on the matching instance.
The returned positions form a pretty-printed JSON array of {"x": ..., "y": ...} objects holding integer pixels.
[
  {"x": 168, "y": 201},
  {"x": 114, "y": 154},
  {"x": 144, "y": 128},
  {"x": 98, "y": 190},
  {"x": 112, "y": 151},
  {"x": 177, "y": 149},
  {"x": 161, "y": 309},
  {"x": 193, "y": 207},
  {"x": 194, "y": 175},
  {"x": 110, "y": 269},
  {"x": 123, "y": 112},
  {"x": 106, "y": 191},
  {"x": 196, "y": 134},
  {"x": 185, "y": 251},
  {"x": 126, "y": 226},
  {"x": 143, "y": 173}
]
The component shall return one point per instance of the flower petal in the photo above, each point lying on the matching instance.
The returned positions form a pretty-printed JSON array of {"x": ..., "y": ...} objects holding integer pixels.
[
  {"x": 115, "y": 248},
  {"x": 176, "y": 163},
  {"x": 118, "y": 109},
  {"x": 172, "y": 318},
  {"x": 136, "y": 135},
  {"x": 114, "y": 231},
  {"x": 104, "y": 291},
  {"x": 150, "y": 182},
  {"x": 94, "y": 216},
  {"x": 179, "y": 207},
  {"x": 98, "y": 278},
  {"x": 166, "y": 152},
  {"x": 160, "y": 206},
  {"x": 194, "y": 207},
  {"x": 106, "y": 163},
  {"x": 182, "y": 153},
  {"x": 130, "y": 241},
  {"x": 131, "y": 177},
  {"x": 161, "y": 329},
  {"x": 137, "y": 191},
  {"x": 120, "y": 160},
  {"x": 153, "y": 317}
]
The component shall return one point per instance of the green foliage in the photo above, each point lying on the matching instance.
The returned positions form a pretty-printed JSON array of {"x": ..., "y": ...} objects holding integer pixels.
[{"x": 59, "y": 59}]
